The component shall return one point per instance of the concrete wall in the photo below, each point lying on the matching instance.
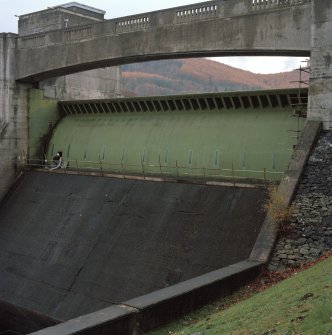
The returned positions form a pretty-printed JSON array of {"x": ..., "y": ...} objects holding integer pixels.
[
  {"x": 54, "y": 18},
  {"x": 43, "y": 115},
  {"x": 98, "y": 83},
  {"x": 13, "y": 115},
  {"x": 320, "y": 90},
  {"x": 94, "y": 84}
]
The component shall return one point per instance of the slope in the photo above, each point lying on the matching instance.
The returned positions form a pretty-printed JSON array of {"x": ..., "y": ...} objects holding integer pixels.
[
  {"x": 302, "y": 304},
  {"x": 198, "y": 76}
]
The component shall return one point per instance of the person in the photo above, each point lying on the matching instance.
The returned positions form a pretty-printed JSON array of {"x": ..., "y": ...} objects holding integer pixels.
[
  {"x": 56, "y": 158},
  {"x": 57, "y": 161}
]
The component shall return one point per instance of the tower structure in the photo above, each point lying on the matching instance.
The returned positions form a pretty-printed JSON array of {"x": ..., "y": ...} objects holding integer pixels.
[{"x": 93, "y": 84}]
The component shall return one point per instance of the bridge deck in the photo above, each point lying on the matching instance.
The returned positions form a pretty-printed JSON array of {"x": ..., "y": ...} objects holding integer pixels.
[{"x": 70, "y": 245}]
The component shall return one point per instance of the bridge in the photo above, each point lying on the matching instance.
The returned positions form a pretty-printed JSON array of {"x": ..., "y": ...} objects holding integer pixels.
[{"x": 212, "y": 28}]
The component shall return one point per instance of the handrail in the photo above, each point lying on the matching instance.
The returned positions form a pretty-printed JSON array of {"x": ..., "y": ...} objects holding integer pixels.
[{"x": 163, "y": 171}]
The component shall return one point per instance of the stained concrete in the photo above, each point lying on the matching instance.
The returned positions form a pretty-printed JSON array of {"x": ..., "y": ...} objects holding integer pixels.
[
  {"x": 219, "y": 28},
  {"x": 70, "y": 245}
]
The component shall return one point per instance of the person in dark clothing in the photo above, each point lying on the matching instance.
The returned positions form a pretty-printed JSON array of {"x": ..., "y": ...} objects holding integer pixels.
[
  {"x": 56, "y": 158},
  {"x": 57, "y": 161}
]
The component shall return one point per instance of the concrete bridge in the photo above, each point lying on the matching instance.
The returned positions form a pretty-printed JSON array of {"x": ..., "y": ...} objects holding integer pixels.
[{"x": 212, "y": 28}]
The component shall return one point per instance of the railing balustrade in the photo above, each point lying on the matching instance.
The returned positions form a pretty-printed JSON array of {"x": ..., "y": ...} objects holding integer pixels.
[
  {"x": 159, "y": 171},
  {"x": 196, "y": 12},
  {"x": 268, "y": 4},
  {"x": 80, "y": 33},
  {"x": 131, "y": 24}
]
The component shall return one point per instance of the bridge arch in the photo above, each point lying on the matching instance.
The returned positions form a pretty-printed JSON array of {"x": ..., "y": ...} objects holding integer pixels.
[{"x": 212, "y": 28}]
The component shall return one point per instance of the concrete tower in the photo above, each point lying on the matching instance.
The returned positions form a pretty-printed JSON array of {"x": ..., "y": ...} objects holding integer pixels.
[{"x": 100, "y": 83}]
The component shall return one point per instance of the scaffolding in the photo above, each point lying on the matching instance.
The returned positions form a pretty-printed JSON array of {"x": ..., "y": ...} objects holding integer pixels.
[{"x": 300, "y": 101}]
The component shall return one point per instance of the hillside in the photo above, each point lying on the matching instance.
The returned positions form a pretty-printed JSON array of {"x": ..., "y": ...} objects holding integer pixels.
[
  {"x": 197, "y": 76},
  {"x": 300, "y": 304}
]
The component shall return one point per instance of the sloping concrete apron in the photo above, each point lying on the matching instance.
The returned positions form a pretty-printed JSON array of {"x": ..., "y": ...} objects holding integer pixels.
[{"x": 62, "y": 242}]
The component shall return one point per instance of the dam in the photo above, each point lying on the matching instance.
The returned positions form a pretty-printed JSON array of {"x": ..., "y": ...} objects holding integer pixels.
[
  {"x": 233, "y": 134},
  {"x": 158, "y": 207},
  {"x": 150, "y": 197}
]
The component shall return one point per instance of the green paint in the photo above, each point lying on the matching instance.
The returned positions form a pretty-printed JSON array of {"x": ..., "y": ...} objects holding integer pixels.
[
  {"x": 213, "y": 140},
  {"x": 43, "y": 115}
]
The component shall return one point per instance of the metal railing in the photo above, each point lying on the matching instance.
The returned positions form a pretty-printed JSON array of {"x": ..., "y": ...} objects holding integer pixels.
[{"x": 160, "y": 171}]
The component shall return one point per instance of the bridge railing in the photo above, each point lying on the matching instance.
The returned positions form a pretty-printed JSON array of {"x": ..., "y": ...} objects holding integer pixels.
[
  {"x": 196, "y": 12},
  {"x": 161, "y": 171},
  {"x": 270, "y": 4}
]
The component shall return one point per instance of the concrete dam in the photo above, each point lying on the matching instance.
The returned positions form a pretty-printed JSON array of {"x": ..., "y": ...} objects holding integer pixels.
[
  {"x": 162, "y": 235},
  {"x": 239, "y": 134},
  {"x": 75, "y": 242}
]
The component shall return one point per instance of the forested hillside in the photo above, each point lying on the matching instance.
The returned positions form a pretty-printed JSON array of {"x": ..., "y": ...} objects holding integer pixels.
[{"x": 197, "y": 76}]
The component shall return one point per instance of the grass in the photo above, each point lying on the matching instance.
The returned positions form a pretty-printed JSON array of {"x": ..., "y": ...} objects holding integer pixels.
[{"x": 301, "y": 304}]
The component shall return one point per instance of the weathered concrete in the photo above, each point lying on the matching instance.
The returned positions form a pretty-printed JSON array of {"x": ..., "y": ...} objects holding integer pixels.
[
  {"x": 94, "y": 84},
  {"x": 237, "y": 27},
  {"x": 22, "y": 320},
  {"x": 119, "y": 320},
  {"x": 320, "y": 89},
  {"x": 287, "y": 190},
  {"x": 68, "y": 243},
  {"x": 13, "y": 115},
  {"x": 161, "y": 306},
  {"x": 210, "y": 28},
  {"x": 58, "y": 17},
  {"x": 144, "y": 313}
]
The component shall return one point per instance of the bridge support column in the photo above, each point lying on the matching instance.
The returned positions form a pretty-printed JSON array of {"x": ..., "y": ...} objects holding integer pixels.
[
  {"x": 13, "y": 115},
  {"x": 320, "y": 89}
]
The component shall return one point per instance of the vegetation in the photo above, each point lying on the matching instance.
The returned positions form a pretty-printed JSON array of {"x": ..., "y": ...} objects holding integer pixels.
[
  {"x": 299, "y": 305},
  {"x": 278, "y": 210},
  {"x": 197, "y": 76}
]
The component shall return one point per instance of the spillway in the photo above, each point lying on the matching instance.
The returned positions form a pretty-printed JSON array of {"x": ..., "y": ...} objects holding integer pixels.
[{"x": 73, "y": 244}]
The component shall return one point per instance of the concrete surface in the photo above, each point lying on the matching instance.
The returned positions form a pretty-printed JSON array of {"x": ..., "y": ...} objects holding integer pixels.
[
  {"x": 70, "y": 245},
  {"x": 211, "y": 141},
  {"x": 209, "y": 28},
  {"x": 22, "y": 320},
  {"x": 213, "y": 28},
  {"x": 287, "y": 189},
  {"x": 152, "y": 310},
  {"x": 158, "y": 307}
]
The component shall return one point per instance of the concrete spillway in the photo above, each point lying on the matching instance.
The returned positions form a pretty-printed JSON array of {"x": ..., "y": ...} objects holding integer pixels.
[{"x": 70, "y": 244}]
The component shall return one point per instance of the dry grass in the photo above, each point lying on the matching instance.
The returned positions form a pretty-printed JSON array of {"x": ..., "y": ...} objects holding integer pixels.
[{"x": 278, "y": 210}]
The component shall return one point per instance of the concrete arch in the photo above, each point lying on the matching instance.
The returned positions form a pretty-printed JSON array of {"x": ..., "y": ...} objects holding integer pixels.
[{"x": 213, "y": 28}]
